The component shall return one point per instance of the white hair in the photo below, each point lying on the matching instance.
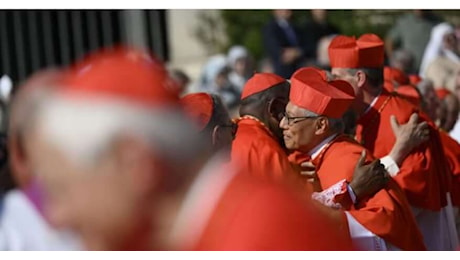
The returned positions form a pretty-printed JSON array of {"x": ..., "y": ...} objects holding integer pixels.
[
  {"x": 83, "y": 129},
  {"x": 309, "y": 113},
  {"x": 335, "y": 124}
]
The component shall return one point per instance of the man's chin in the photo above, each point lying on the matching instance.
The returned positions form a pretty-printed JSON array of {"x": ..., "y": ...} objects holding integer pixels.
[{"x": 288, "y": 146}]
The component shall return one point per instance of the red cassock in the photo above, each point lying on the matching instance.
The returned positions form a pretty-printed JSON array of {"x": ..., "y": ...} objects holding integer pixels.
[
  {"x": 423, "y": 174},
  {"x": 386, "y": 214},
  {"x": 257, "y": 151},
  {"x": 410, "y": 93},
  {"x": 254, "y": 215},
  {"x": 452, "y": 152}
]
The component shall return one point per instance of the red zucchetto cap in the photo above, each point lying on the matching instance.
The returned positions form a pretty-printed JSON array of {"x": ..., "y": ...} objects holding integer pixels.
[
  {"x": 309, "y": 90},
  {"x": 394, "y": 74},
  {"x": 199, "y": 107},
  {"x": 347, "y": 52},
  {"x": 442, "y": 93},
  {"x": 121, "y": 73},
  {"x": 260, "y": 82}
]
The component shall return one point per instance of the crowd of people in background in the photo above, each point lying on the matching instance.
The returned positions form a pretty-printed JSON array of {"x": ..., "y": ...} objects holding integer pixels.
[{"x": 420, "y": 43}]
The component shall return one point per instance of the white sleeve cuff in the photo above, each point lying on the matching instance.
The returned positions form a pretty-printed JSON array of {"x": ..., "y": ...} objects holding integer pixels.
[
  {"x": 390, "y": 165},
  {"x": 352, "y": 194}
]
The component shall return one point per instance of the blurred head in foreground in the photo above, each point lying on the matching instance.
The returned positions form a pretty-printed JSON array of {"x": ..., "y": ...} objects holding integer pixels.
[
  {"x": 109, "y": 142},
  {"x": 119, "y": 160}
]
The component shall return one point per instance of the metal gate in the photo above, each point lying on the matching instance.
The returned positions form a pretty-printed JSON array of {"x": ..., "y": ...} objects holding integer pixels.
[{"x": 34, "y": 39}]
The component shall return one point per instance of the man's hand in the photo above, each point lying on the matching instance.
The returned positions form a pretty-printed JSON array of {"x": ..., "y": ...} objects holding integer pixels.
[
  {"x": 290, "y": 54},
  {"x": 368, "y": 179},
  {"x": 308, "y": 170},
  {"x": 408, "y": 136}
]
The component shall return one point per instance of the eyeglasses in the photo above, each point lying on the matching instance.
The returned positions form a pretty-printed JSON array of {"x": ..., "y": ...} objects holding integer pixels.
[{"x": 292, "y": 119}]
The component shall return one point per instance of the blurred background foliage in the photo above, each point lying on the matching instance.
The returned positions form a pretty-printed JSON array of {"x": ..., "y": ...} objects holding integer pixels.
[{"x": 244, "y": 27}]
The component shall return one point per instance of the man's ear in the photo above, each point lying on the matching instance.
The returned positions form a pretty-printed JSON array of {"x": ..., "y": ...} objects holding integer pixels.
[
  {"x": 361, "y": 78},
  {"x": 321, "y": 125},
  {"x": 276, "y": 108}
]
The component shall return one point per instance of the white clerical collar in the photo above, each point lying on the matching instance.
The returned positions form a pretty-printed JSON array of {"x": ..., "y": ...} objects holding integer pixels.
[
  {"x": 372, "y": 104},
  {"x": 317, "y": 150}
]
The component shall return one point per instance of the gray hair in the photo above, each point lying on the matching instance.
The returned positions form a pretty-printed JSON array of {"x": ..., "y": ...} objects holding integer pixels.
[
  {"x": 336, "y": 125},
  {"x": 84, "y": 130},
  {"x": 373, "y": 75}
]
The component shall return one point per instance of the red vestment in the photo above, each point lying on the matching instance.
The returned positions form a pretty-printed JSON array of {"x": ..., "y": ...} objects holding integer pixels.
[
  {"x": 386, "y": 213},
  {"x": 254, "y": 215},
  {"x": 423, "y": 174},
  {"x": 258, "y": 152}
]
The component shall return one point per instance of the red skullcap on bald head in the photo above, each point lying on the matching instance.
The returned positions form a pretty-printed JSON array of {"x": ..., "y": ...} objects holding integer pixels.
[
  {"x": 122, "y": 73},
  {"x": 260, "y": 82}
]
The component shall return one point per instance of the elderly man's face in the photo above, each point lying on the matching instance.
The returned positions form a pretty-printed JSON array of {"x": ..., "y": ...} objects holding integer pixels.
[
  {"x": 298, "y": 130},
  {"x": 97, "y": 202}
]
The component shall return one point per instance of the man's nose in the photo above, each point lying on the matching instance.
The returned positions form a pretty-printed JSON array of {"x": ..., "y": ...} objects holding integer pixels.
[{"x": 283, "y": 123}]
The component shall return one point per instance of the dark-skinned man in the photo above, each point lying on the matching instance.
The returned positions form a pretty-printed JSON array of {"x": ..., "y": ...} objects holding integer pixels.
[{"x": 243, "y": 213}]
